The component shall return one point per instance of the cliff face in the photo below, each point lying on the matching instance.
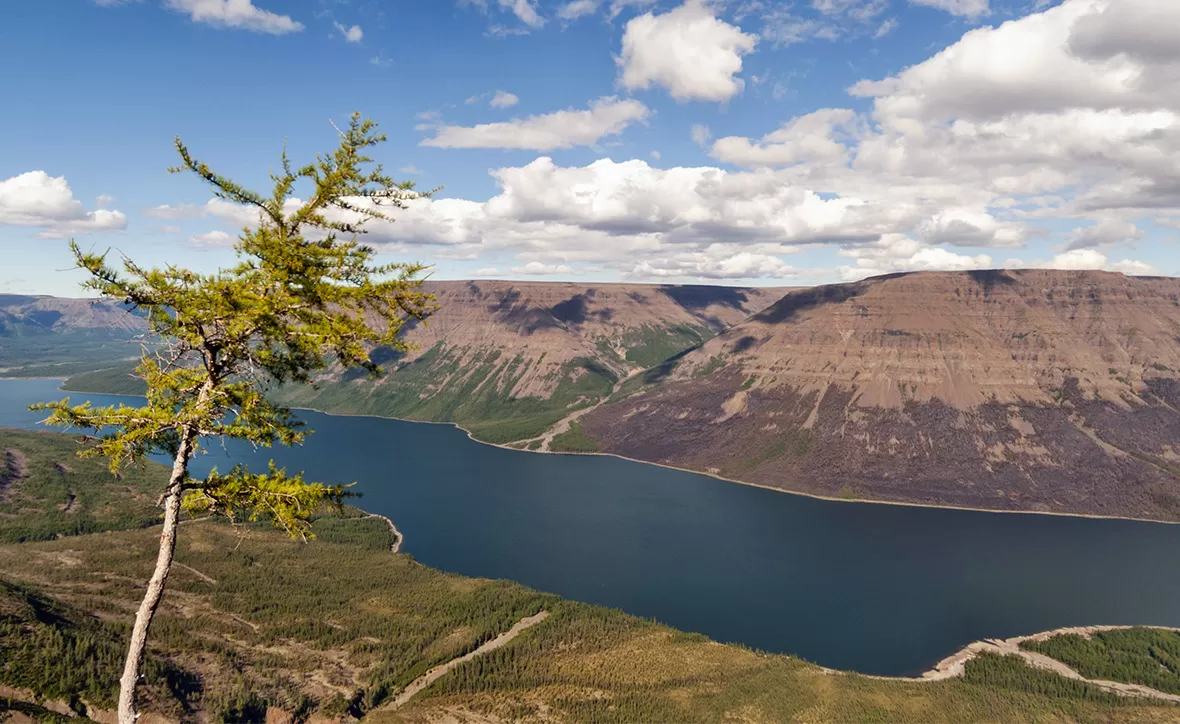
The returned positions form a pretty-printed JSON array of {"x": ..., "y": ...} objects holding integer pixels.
[{"x": 1020, "y": 390}]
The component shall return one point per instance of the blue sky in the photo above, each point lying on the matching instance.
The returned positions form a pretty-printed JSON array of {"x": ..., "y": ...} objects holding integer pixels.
[{"x": 738, "y": 142}]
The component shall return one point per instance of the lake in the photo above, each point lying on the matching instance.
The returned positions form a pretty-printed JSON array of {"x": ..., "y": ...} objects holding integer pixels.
[{"x": 881, "y": 589}]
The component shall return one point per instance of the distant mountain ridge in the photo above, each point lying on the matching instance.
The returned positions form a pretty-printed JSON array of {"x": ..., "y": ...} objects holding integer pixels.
[
  {"x": 32, "y": 314},
  {"x": 1017, "y": 390},
  {"x": 509, "y": 359},
  {"x": 1031, "y": 390}
]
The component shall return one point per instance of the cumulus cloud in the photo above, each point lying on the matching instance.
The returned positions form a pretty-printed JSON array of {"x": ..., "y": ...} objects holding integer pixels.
[
  {"x": 819, "y": 136},
  {"x": 1103, "y": 233},
  {"x": 536, "y": 268},
  {"x": 716, "y": 262},
  {"x": 36, "y": 199},
  {"x": 241, "y": 14},
  {"x": 898, "y": 252},
  {"x": 503, "y": 99},
  {"x": 1080, "y": 259},
  {"x": 1076, "y": 126},
  {"x": 561, "y": 129},
  {"x": 352, "y": 35},
  {"x": 212, "y": 239},
  {"x": 688, "y": 51},
  {"x": 1080, "y": 121}
]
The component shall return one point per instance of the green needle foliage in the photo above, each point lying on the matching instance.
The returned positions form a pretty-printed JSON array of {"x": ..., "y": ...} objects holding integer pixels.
[{"x": 303, "y": 295}]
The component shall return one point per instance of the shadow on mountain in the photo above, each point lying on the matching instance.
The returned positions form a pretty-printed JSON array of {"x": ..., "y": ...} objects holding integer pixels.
[
  {"x": 694, "y": 297},
  {"x": 665, "y": 368},
  {"x": 791, "y": 305},
  {"x": 989, "y": 278}
]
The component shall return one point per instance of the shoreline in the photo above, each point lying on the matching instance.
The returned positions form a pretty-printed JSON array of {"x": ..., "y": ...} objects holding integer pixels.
[
  {"x": 715, "y": 476},
  {"x": 398, "y": 538},
  {"x": 948, "y": 667},
  {"x": 955, "y": 665}
]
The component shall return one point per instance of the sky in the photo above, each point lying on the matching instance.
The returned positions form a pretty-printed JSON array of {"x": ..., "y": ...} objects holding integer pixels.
[{"x": 684, "y": 141}]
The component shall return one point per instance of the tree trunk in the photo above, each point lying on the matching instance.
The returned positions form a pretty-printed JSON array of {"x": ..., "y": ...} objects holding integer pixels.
[{"x": 155, "y": 588}]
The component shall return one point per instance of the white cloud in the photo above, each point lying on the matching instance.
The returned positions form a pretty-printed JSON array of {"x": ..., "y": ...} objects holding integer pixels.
[
  {"x": 1080, "y": 259},
  {"x": 104, "y": 200},
  {"x": 1072, "y": 113},
  {"x": 487, "y": 271},
  {"x": 1103, "y": 233},
  {"x": 701, "y": 134},
  {"x": 967, "y": 226},
  {"x": 577, "y": 8},
  {"x": 242, "y": 14},
  {"x": 655, "y": 155},
  {"x": 688, "y": 51},
  {"x": 380, "y": 61},
  {"x": 561, "y": 129},
  {"x": 886, "y": 28},
  {"x": 833, "y": 19},
  {"x": 967, "y": 8},
  {"x": 898, "y": 252},
  {"x": 715, "y": 262},
  {"x": 175, "y": 213},
  {"x": 353, "y": 34},
  {"x": 211, "y": 239},
  {"x": 411, "y": 170},
  {"x": 536, "y": 268},
  {"x": 36, "y": 199},
  {"x": 524, "y": 10},
  {"x": 1050, "y": 121},
  {"x": 819, "y": 136},
  {"x": 503, "y": 99}
]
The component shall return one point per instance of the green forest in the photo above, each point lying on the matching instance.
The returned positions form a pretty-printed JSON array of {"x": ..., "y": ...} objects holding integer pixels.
[{"x": 336, "y": 627}]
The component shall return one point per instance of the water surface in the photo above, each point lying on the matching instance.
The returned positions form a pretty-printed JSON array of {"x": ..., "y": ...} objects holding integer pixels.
[{"x": 880, "y": 589}]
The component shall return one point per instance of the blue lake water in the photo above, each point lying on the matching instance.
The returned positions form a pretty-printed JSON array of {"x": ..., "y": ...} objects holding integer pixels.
[{"x": 880, "y": 589}]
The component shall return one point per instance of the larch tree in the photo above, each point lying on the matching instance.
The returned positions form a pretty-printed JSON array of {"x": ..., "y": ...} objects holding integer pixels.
[{"x": 303, "y": 295}]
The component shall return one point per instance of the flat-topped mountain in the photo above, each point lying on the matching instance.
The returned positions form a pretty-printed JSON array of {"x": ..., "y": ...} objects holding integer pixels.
[
  {"x": 1024, "y": 390},
  {"x": 509, "y": 359}
]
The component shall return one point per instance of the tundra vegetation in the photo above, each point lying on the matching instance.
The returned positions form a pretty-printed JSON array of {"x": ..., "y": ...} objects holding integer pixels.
[
  {"x": 252, "y": 620},
  {"x": 304, "y": 294}
]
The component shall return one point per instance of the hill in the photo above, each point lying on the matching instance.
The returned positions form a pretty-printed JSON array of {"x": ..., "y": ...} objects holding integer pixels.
[
  {"x": 45, "y": 336},
  {"x": 509, "y": 359},
  {"x": 254, "y": 626},
  {"x": 1014, "y": 390}
]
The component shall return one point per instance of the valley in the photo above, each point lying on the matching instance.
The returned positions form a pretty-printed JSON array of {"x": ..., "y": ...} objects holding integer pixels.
[{"x": 1033, "y": 390}]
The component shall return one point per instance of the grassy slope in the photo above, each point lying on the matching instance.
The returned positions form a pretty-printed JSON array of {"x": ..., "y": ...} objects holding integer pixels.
[
  {"x": 46, "y": 491},
  {"x": 340, "y": 624},
  {"x": 475, "y": 395},
  {"x": 49, "y": 354}
]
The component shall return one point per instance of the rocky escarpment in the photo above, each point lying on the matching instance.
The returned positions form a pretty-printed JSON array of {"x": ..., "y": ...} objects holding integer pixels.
[
  {"x": 1014, "y": 390},
  {"x": 509, "y": 359}
]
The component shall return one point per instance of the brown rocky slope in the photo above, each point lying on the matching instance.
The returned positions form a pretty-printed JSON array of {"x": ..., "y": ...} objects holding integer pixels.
[
  {"x": 509, "y": 359},
  {"x": 1012, "y": 390}
]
